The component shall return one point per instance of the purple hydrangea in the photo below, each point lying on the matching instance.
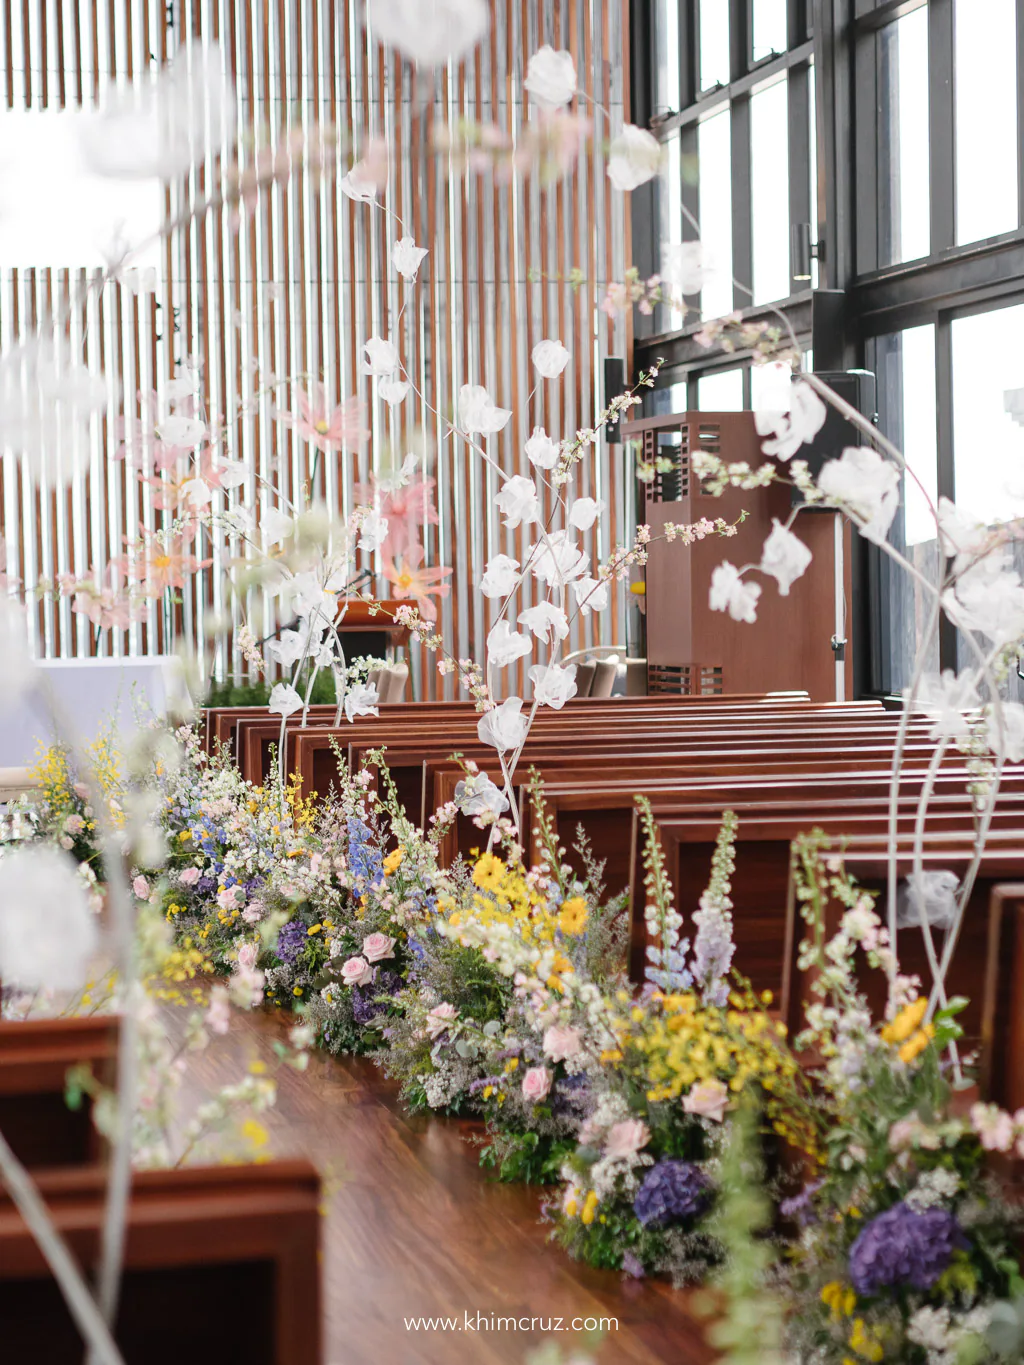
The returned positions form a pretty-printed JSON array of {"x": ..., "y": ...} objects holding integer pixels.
[
  {"x": 290, "y": 941},
  {"x": 365, "y": 1005},
  {"x": 904, "y": 1247},
  {"x": 672, "y": 1191}
]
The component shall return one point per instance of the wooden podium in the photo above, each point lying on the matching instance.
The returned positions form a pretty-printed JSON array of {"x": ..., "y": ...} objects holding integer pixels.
[
  {"x": 364, "y": 631},
  {"x": 694, "y": 650}
]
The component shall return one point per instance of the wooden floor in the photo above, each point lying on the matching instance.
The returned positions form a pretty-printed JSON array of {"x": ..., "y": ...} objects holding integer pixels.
[{"x": 415, "y": 1229}]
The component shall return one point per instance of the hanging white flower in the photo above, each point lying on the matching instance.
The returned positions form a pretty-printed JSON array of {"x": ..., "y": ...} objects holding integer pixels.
[
  {"x": 231, "y": 473},
  {"x": 541, "y": 450},
  {"x": 311, "y": 597},
  {"x": 553, "y": 685},
  {"x": 176, "y": 429},
  {"x": 550, "y": 77},
  {"x": 47, "y": 403},
  {"x": 431, "y": 32},
  {"x": 948, "y": 699},
  {"x": 139, "y": 280},
  {"x": 47, "y": 930},
  {"x": 865, "y": 483},
  {"x": 686, "y": 266},
  {"x": 962, "y": 535},
  {"x": 197, "y": 492},
  {"x": 358, "y": 185},
  {"x": 407, "y": 257},
  {"x": 505, "y": 645},
  {"x": 18, "y": 671},
  {"x": 361, "y": 700},
  {"x": 284, "y": 700},
  {"x": 549, "y": 358},
  {"x": 500, "y": 576},
  {"x": 988, "y": 598},
  {"x": 393, "y": 391},
  {"x": 591, "y": 594},
  {"x": 546, "y": 621},
  {"x": 373, "y": 531},
  {"x": 558, "y": 560},
  {"x": 634, "y": 157},
  {"x": 276, "y": 525},
  {"x": 784, "y": 556},
  {"x": 517, "y": 501},
  {"x": 584, "y": 512},
  {"x": 478, "y": 413},
  {"x": 478, "y": 795},
  {"x": 1004, "y": 733},
  {"x": 790, "y": 416},
  {"x": 380, "y": 358},
  {"x": 504, "y": 726},
  {"x": 729, "y": 592},
  {"x": 293, "y": 645}
]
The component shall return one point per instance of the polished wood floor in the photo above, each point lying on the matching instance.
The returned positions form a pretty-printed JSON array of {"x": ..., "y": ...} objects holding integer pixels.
[{"x": 413, "y": 1228}]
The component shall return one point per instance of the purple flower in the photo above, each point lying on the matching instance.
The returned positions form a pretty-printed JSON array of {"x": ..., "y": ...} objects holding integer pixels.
[
  {"x": 904, "y": 1247},
  {"x": 672, "y": 1191},
  {"x": 290, "y": 941},
  {"x": 365, "y": 1003},
  {"x": 799, "y": 1206},
  {"x": 632, "y": 1266}
]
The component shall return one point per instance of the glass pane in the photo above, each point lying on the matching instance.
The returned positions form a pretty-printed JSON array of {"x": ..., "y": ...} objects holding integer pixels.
[
  {"x": 813, "y": 118},
  {"x": 672, "y": 227},
  {"x": 714, "y": 157},
  {"x": 767, "y": 380},
  {"x": 904, "y": 231},
  {"x": 722, "y": 392},
  {"x": 906, "y": 395},
  {"x": 714, "y": 43},
  {"x": 985, "y": 83},
  {"x": 667, "y": 25},
  {"x": 769, "y": 189},
  {"x": 769, "y": 28}
]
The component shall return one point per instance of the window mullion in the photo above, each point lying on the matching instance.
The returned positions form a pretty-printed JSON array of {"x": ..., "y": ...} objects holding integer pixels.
[
  {"x": 944, "y": 456},
  {"x": 941, "y": 130}
]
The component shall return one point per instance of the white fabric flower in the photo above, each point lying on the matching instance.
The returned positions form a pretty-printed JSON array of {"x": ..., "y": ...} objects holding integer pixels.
[
  {"x": 139, "y": 280},
  {"x": 311, "y": 598},
  {"x": 549, "y": 358},
  {"x": 1005, "y": 734},
  {"x": 517, "y": 501},
  {"x": 294, "y": 645},
  {"x": 962, "y": 535},
  {"x": 500, "y": 576},
  {"x": 197, "y": 492},
  {"x": 504, "y": 726},
  {"x": 558, "y": 560},
  {"x": 47, "y": 403},
  {"x": 541, "y": 450},
  {"x": 284, "y": 700},
  {"x": 948, "y": 700},
  {"x": 478, "y": 414},
  {"x": 429, "y": 31},
  {"x": 478, "y": 795},
  {"x": 373, "y": 531},
  {"x": 505, "y": 645},
  {"x": 361, "y": 700},
  {"x": 788, "y": 424},
  {"x": 358, "y": 186},
  {"x": 784, "y": 556},
  {"x": 393, "y": 391},
  {"x": 18, "y": 671},
  {"x": 546, "y": 621},
  {"x": 686, "y": 266},
  {"x": 591, "y": 594},
  {"x": 407, "y": 257},
  {"x": 179, "y": 430},
  {"x": 380, "y": 358},
  {"x": 865, "y": 483},
  {"x": 550, "y": 78},
  {"x": 553, "y": 685},
  {"x": 988, "y": 598},
  {"x": 276, "y": 525},
  {"x": 730, "y": 593},
  {"x": 231, "y": 473},
  {"x": 47, "y": 930},
  {"x": 633, "y": 158},
  {"x": 584, "y": 512}
]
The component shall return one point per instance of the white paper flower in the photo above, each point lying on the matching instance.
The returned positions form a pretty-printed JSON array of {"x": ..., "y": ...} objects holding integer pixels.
[
  {"x": 633, "y": 158},
  {"x": 18, "y": 671},
  {"x": 380, "y": 358},
  {"x": 541, "y": 450},
  {"x": 504, "y": 726},
  {"x": 791, "y": 426},
  {"x": 948, "y": 700},
  {"x": 284, "y": 700},
  {"x": 276, "y": 525},
  {"x": 197, "y": 492},
  {"x": 552, "y": 684},
  {"x": 47, "y": 402},
  {"x": 784, "y": 556},
  {"x": 429, "y": 31},
  {"x": 558, "y": 560},
  {"x": 584, "y": 512},
  {"x": 478, "y": 413},
  {"x": 478, "y": 795},
  {"x": 47, "y": 930},
  {"x": 550, "y": 78},
  {"x": 500, "y": 576},
  {"x": 505, "y": 645},
  {"x": 591, "y": 594},
  {"x": 373, "y": 531},
  {"x": 310, "y": 597},
  {"x": 293, "y": 645},
  {"x": 393, "y": 391},
  {"x": 549, "y": 358},
  {"x": 361, "y": 700},
  {"x": 139, "y": 280},
  {"x": 517, "y": 501},
  {"x": 176, "y": 429},
  {"x": 407, "y": 257},
  {"x": 231, "y": 473},
  {"x": 730, "y": 593},
  {"x": 686, "y": 266},
  {"x": 358, "y": 185},
  {"x": 546, "y": 621},
  {"x": 962, "y": 535},
  {"x": 1005, "y": 733},
  {"x": 988, "y": 598},
  {"x": 865, "y": 483}
]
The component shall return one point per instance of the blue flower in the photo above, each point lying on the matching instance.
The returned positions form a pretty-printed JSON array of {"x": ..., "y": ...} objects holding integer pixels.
[
  {"x": 904, "y": 1247},
  {"x": 671, "y": 1192}
]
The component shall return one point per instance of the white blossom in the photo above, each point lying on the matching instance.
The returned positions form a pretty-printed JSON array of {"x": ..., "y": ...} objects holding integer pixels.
[
  {"x": 373, "y": 531},
  {"x": 358, "y": 185},
  {"x": 558, "y": 560},
  {"x": 633, "y": 158},
  {"x": 961, "y": 535},
  {"x": 553, "y": 685},
  {"x": 546, "y": 621},
  {"x": 380, "y": 358},
  {"x": 541, "y": 450},
  {"x": 865, "y": 483},
  {"x": 584, "y": 512},
  {"x": 361, "y": 700},
  {"x": 517, "y": 501},
  {"x": 294, "y": 645},
  {"x": 429, "y": 31},
  {"x": 47, "y": 403},
  {"x": 549, "y": 358},
  {"x": 197, "y": 492},
  {"x": 784, "y": 556},
  {"x": 407, "y": 257},
  {"x": 500, "y": 576},
  {"x": 47, "y": 930},
  {"x": 505, "y": 645},
  {"x": 989, "y": 598},
  {"x": 503, "y": 727},
  {"x": 18, "y": 670},
  {"x": 276, "y": 525},
  {"x": 478, "y": 412},
  {"x": 478, "y": 795},
  {"x": 686, "y": 266},
  {"x": 550, "y": 78},
  {"x": 178, "y": 429},
  {"x": 393, "y": 391},
  {"x": 591, "y": 594},
  {"x": 948, "y": 700},
  {"x": 1004, "y": 734},
  {"x": 729, "y": 592},
  {"x": 284, "y": 700},
  {"x": 789, "y": 426}
]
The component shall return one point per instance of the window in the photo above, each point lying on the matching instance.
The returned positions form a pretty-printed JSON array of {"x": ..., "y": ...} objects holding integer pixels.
[
  {"x": 714, "y": 43},
  {"x": 714, "y": 160},
  {"x": 667, "y": 46},
  {"x": 769, "y": 189},
  {"x": 721, "y": 392},
  {"x": 769, "y": 32},
  {"x": 988, "y": 443},
  {"x": 903, "y": 191},
  {"x": 985, "y": 82}
]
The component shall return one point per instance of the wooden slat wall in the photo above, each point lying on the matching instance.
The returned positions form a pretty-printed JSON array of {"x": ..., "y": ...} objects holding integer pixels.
[{"x": 296, "y": 288}]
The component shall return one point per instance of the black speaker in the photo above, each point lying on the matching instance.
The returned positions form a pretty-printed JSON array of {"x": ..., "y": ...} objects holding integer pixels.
[
  {"x": 857, "y": 387},
  {"x": 614, "y": 384}
]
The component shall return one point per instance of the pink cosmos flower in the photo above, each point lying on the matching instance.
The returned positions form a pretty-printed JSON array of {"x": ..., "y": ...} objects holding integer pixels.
[
  {"x": 159, "y": 563},
  {"x": 626, "y": 1138},
  {"x": 410, "y": 580},
  {"x": 247, "y": 955},
  {"x": 993, "y": 1126},
  {"x": 325, "y": 429},
  {"x": 218, "y": 1013},
  {"x": 406, "y": 509},
  {"x": 708, "y": 1099},
  {"x": 356, "y": 971},
  {"x": 376, "y": 947},
  {"x": 536, "y": 1084}
]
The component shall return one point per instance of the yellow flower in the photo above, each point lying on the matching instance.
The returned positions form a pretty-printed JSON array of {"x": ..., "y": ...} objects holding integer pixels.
[
  {"x": 610, "y": 1055},
  {"x": 489, "y": 872},
  {"x": 255, "y": 1133},
  {"x": 917, "y": 1043},
  {"x": 296, "y": 990},
  {"x": 511, "y": 1064},
  {"x": 488, "y": 1091},
  {"x": 842, "y": 1300},
  {"x": 185, "y": 835},
  {"x": 572, "y": 918},
  {"x": 589, "y": 1208},
  {"x": 257, "y": 1068},
  {"x": 865, "y": 1341},
  {"x": 906, "y": 1022},
  {"x": 313, "y": 929},
  {"x": 394, "y": 861}
]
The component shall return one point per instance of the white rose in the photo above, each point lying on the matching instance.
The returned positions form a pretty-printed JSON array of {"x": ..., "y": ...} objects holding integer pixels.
[
  {"x": 552, "y": 684},
  {"x": 541, "y": 450},
  {"x": 517, "y": 501},
  {"x": 478, "y": 412},
  {"x": 633, "y": 158},
  {"x": 549, "y": 358},
  {"x": 550, "y": 78}
]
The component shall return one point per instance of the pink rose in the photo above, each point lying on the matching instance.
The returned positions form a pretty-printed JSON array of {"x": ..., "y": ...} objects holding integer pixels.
[
  {"x": 626, "y": 1138},
  {"x": 561, "y": 1043},
  {"x": 74, "y": 824},
  {"x": 356, "y": 971},
  {"x": 247, "y": 955},
  {"x": 228, "y": 898},
  {"x": 141, "y": 888},
  {"x": 993, "y": 1126},
  {"x": 708, "y": 1099},
  {"x": 439, "y": 1018},
  {"x": 254, "y": 912},
  {"x": 218, "y": 1015},
  {"x": 376, "y": 947},
  {"x": 536, "y": 1084},
  {"x": 188, "y": 876}
]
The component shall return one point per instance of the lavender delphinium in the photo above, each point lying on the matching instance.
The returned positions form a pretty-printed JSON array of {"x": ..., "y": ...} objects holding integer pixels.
[
  {"x": 671, "y": 1192},
  {"x": 904, "y": 1248},
  {"x": 713, "y": 945},
  {"x": 290, "y": 941}
]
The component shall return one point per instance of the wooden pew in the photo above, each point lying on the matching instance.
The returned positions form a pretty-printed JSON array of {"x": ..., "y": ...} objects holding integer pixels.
[
  {"x": 35, "y": 1056},
  {"x": 222, "y": 1264},
  {"x": 1001, "y": 1063}
]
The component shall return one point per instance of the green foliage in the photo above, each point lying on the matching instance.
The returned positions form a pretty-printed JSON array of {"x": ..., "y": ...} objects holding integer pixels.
[{"x": 529, "y": 1157}]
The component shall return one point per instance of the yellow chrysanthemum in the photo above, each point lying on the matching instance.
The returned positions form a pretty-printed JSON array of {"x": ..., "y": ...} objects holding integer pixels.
[
  {"x": 906, "y": 1022},
  {"x": 572, "y": 918}
]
